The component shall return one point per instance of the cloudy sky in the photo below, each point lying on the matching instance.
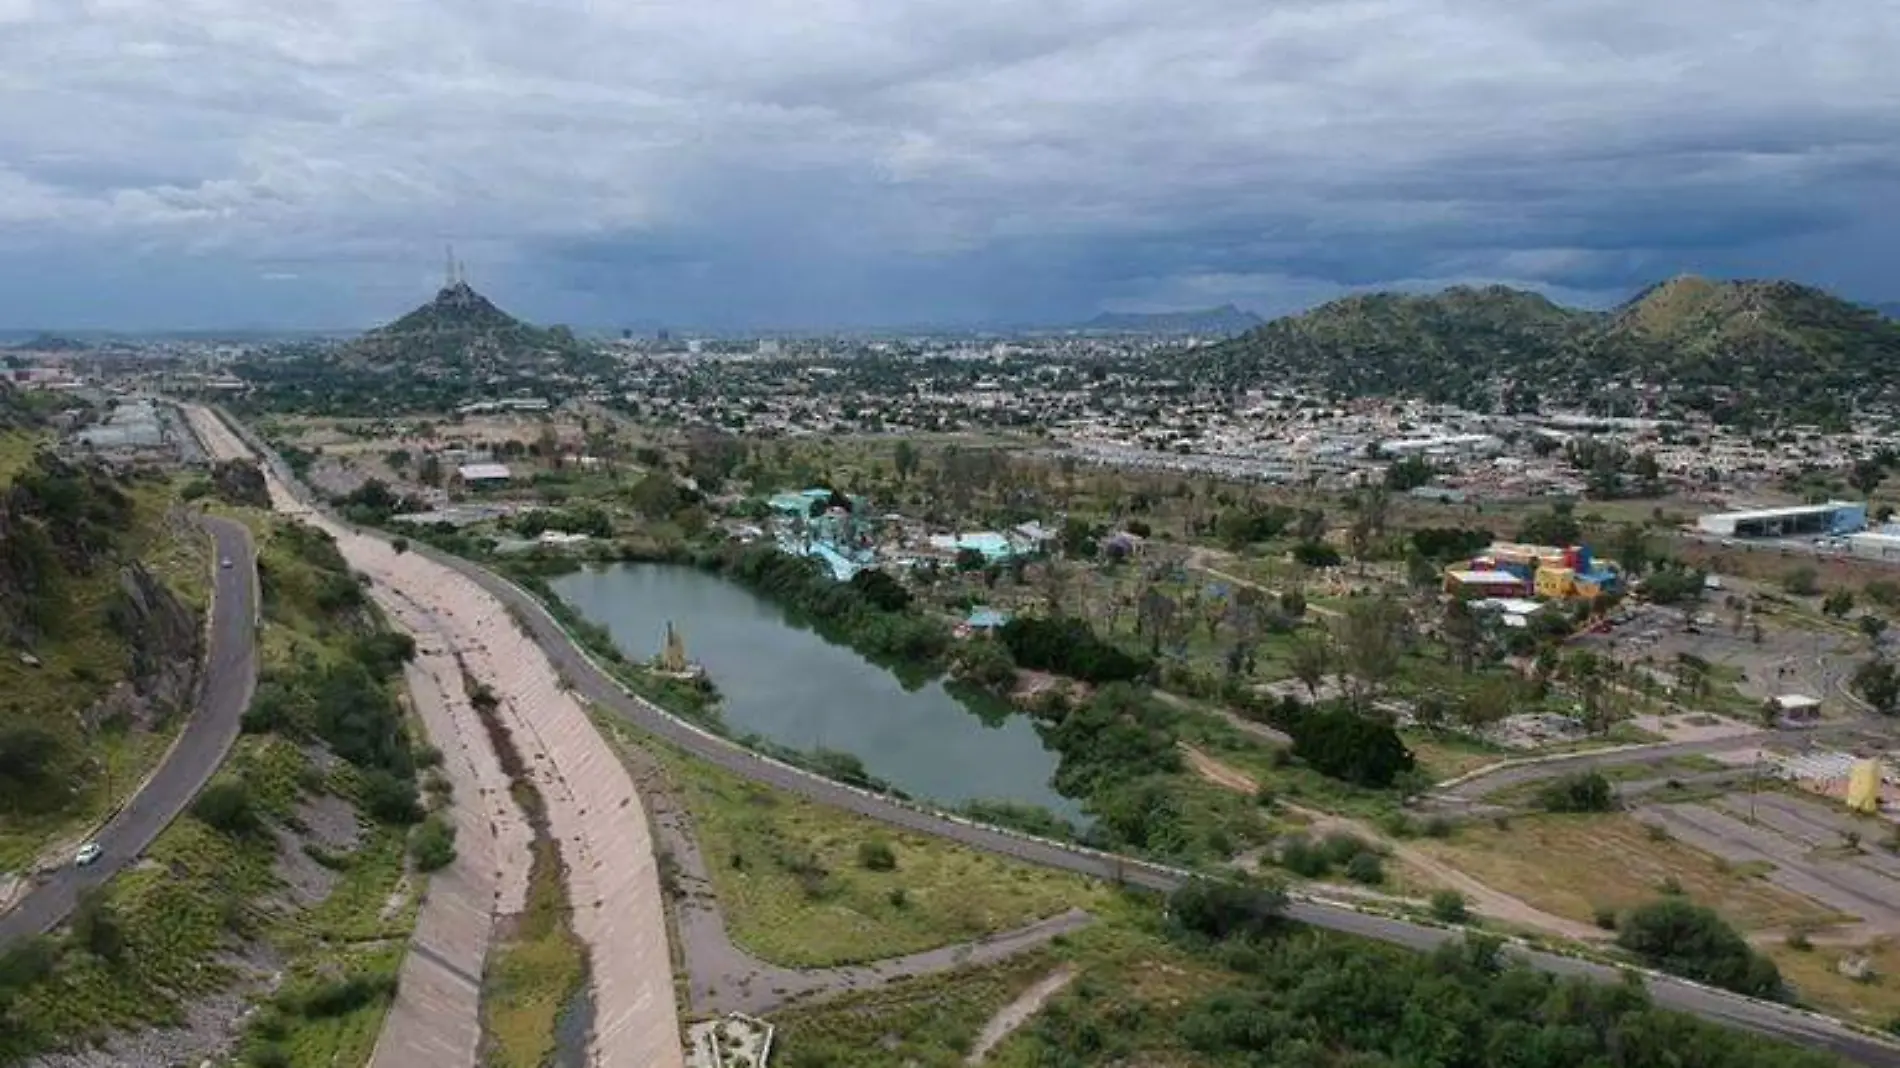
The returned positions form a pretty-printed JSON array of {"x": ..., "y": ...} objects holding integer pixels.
[{"x": 219, "y": 163}]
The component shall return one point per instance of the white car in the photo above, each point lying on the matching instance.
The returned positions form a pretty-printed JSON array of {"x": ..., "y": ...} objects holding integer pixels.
[
  {"x": 87, "y": 855},
  {"x": 225, "y": 563}
]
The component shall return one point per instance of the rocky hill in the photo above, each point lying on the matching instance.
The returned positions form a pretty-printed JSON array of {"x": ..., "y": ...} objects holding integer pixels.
[
  {"x": 458, "y": 347},
  {"x": 1752, "y": 348},
  {"x": 460, "y": 333}
]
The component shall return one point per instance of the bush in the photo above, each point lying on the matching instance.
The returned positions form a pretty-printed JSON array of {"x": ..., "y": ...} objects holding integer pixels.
[
  {"x": 390, "y": 799},
  {"x": 1448, "y": 906},
  {"x": 1606, "y": 917},
  {"x": 1584, "y": 791},
  {"x": 1686, "y": 939},
  {"x": 433, "y": 844},
  {"x": 1366, "y": 868},
  {"x": 1222, "y": 910},
  {"x": 428, "y": 756},
  {"x": 1339, "y": 744},
  {"x": 343, "y": 996},
  {"x": 227, "y": 807},
  {"x": 1068, "y": 646},
  {"x": 1316, "y": 554},
  {"x": 876, "y": 855}
]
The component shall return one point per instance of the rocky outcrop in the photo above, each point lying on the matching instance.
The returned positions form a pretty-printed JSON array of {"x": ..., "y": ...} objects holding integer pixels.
[
  {"x": 240, "y": 482},
  {"x": 165, "y": 640}
]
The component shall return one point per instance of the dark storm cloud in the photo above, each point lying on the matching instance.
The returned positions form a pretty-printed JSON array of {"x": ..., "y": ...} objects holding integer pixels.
[{"x": 927, "y": 160}]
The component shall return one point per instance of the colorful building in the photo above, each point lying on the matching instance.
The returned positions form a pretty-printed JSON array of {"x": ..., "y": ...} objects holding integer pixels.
[{"x": 1508, "y": 569}]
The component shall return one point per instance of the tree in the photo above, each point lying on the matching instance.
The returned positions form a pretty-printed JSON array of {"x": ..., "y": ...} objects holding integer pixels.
[
  {"x": 1866, "y": 476},
  {"x": 904, "y": 460},
  {"x": 1221, "y": 910},
  {"x": 433, "y": 844},
  {"x": 226, "y": 806},
  {"x": 1690, "y": 940},
  {"x": 1344, "y": 745},
  {"x": 1371, "y": 639},
  {"x": 1838, "y": 603},
  {"x": 1448, "y": 906},
  {"x": 1873, "y": 626},
  {"x": 1584, "y": 791},
  {"x": 1878, "y": 683},
  {"x": 1463, "y": 633},
  {"x": 1312, "y": 659}
]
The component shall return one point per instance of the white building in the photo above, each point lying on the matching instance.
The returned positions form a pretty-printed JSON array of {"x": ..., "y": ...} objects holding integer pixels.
[{"x": 483, "y": 474}]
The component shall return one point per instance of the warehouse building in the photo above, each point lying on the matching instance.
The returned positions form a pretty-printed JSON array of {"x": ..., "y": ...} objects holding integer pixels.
[{"x": 1807, "y": 520}]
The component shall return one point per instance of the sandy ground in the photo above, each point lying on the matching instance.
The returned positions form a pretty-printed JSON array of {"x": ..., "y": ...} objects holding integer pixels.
[
  {"x": 593, "y": 813},
  {"x": 1018, "y": 1012}
]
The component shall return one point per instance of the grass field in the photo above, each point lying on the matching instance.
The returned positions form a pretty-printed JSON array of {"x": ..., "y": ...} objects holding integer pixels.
[
  {"x": 1122, "y": 961},
  {"x": 1574, "y": 865},
  {"x": 1817, "y": 981},
  {"x": 795, "y": 891},
  {"x": 923, "y": 1023}
]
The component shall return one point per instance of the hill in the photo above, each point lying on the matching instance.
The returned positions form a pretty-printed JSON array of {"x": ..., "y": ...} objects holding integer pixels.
[
  {"x": 462, "y": 331},
  {"x": 101, "y": 586},
  {"x": 457, "y": 347},
  {"x": 1225, "y": 319},
  {"x": 1740, "y": 350},
  {"x": 51, "y": 343}
]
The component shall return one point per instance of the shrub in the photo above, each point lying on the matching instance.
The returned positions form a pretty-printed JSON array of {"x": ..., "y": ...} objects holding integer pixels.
[
  {"x": 1366, "y": 868},
  {"x": 1689, "y": 940},
  {"x": 1221, "y": 910},
  {"x": 227, "y": 807},
  {"x": 1606, "y": 917},
  {"x": 898, "y": 898},
  {"x": 428, "y": 756},
  {"x": 1584, "y": 791},
  {"x": 390, "y": 799},
  {"x": 433, "y": 844},
  {"x": 877, "y": 855},
  {"x": 1301, "y": 857},
  {"x": 1448, "y": 906},
  {"x": 1341, "y": 745},
  {"x": 342, "y": 996}
]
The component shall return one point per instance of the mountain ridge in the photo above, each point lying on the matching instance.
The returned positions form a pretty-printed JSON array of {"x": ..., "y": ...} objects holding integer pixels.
[
  {"x": 1224, "y": 319},
  {"x": 1751, "y": 346}
]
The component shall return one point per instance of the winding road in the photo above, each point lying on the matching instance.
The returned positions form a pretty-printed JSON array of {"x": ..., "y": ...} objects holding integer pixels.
[
  {"x": 594, "y": 684},
  {"x": 230, "y": 674}
]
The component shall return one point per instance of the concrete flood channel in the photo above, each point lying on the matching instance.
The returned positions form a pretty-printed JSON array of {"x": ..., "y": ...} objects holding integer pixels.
[{"x": 786, "y": 683}]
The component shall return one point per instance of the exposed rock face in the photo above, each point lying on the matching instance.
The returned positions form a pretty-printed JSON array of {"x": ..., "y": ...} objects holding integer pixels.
[
  {"x": 165, "y": 641},
  {"x": 240, "y": 482}
]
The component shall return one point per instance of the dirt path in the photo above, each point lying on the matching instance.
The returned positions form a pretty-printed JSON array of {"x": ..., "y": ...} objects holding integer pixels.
[
  {"x": 1018, "y": 1012},
  {"x": 1218, "y": 773},
  {"x": 1482, "y": 899},
  {"x": 1202, "y": 560}
]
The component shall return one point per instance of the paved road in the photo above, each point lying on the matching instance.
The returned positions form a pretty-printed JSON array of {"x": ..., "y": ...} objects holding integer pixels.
[
  {"x": 590, "y": 683},
  {"x": 1479, "y": 786},
  {"x": 230, "y": 676}
]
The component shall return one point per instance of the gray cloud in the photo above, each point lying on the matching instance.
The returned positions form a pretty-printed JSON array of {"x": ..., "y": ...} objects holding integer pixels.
[{"x": 850, "y": 160}]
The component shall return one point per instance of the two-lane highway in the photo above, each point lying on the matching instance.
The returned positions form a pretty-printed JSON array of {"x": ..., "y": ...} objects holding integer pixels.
[{"x": 230, "y": 674}]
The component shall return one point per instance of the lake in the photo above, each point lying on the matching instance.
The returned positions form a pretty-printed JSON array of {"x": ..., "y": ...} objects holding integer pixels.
[{"x": 787, "y": 683}]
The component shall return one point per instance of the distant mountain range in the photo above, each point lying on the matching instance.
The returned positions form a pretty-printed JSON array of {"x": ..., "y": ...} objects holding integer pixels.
[
  {"x": 50, "y": 343},
  {"x": 1225, "y": 319},
  {"x": 1767, "y": 349}
]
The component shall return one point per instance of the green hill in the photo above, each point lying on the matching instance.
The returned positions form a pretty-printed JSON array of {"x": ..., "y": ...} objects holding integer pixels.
[
  {"x": 102, "y": 590},
  {"x": 456, "y": 348},
  {"x": 1737, "y": 349}
]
